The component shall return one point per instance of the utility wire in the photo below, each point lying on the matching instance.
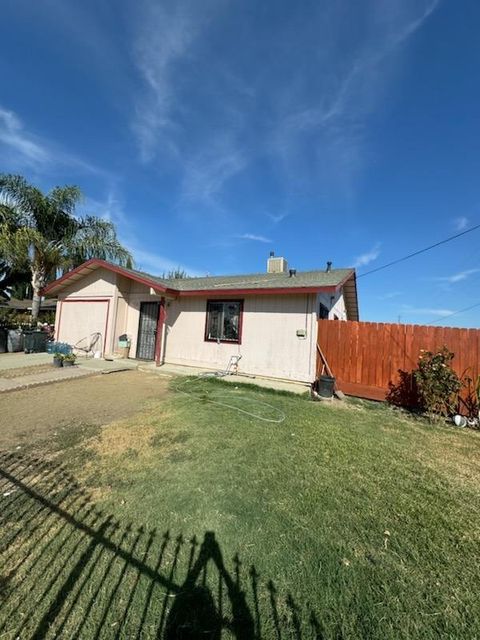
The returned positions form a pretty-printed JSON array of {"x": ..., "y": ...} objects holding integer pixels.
[
  {"x": 416, "y": 253},
  {"x": 454, "y": 313}
]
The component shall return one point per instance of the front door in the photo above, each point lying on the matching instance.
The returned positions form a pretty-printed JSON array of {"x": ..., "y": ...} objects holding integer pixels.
[{"x": 147, "y": 330}]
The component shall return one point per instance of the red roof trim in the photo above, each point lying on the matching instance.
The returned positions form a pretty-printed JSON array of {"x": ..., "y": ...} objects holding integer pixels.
[{"x": 96, "y": 263}]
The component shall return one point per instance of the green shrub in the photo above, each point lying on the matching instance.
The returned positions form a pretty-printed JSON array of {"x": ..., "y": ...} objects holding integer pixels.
[{"x": 437, "y": 383}]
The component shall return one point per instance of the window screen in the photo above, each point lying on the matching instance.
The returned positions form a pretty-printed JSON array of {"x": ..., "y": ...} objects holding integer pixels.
[{"x": 223, "y": 320}]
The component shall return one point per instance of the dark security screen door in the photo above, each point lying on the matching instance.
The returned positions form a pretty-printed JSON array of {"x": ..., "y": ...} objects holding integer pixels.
[{"x": 147, "y": 330}]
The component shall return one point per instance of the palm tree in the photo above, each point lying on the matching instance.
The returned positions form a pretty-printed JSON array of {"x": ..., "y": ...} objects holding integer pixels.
[{"x": 41, "y": 232}]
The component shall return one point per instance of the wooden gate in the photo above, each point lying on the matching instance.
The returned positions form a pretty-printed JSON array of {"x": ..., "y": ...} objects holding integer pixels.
[{"x": 365, "y": 357}]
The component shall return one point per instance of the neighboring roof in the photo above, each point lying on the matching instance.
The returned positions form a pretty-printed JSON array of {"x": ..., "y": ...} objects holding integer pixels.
[
  {"x": 26, "y": 305},
  {"x": 259, "y": 283}
]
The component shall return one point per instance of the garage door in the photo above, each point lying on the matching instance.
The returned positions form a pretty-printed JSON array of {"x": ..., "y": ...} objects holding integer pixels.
[{"x": 80, "y": 319}]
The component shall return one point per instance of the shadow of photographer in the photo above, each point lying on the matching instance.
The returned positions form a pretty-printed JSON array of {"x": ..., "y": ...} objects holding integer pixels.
[{"x": 69, "y": 570}]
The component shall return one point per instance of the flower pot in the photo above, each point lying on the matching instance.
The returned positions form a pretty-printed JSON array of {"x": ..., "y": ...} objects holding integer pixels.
[
  {"x": 68, "y": 363},
  {"x": 58, "y": 362}
]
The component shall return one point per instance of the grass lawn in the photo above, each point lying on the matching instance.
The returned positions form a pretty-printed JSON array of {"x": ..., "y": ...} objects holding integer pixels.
[{"x": 193, "y": 520}]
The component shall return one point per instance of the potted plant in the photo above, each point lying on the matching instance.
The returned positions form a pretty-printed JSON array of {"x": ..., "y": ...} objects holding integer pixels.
[
  {"x": 58, "y": 359},
  {"x": 69, "y": 360}
]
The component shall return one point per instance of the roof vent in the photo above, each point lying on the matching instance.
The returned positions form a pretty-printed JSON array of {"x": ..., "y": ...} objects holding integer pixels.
[
  {"x": 329, "y": 267},
  {"x": 272, "y": 254},
  {"x": 292, "y": 273}
]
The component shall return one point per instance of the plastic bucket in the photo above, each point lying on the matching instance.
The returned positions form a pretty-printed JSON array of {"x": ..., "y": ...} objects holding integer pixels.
[{"x": 325, "y": 386}]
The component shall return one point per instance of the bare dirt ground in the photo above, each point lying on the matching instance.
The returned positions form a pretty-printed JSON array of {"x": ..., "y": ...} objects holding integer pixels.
[{"x": 31, "y": 415}]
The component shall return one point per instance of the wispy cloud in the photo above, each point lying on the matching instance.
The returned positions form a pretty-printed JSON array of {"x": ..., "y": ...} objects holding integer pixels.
[
  {"x": 157, "y": 264},
  {"x": 336, "y": 123},
  {"x": 457, "y": 277},
  {"x": 207, "y": 171},
  {"x": 18, "y": 141},
  {"x": 428, "y": 311},
  {"x": 112, "y": 208},
  {"x": 254, "y": 237},
  {"x": 460, "y": 223},
  {"x": 391, "y": 295},
  {"x": 367, "y": 257},
  {"x": 163, "y": 39},
  {"x": 277, "y": 218},
  {"x": 24, "y": 149}
]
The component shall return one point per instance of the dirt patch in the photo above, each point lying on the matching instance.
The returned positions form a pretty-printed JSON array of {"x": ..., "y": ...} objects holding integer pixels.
[{"x": 31, "y": 415}]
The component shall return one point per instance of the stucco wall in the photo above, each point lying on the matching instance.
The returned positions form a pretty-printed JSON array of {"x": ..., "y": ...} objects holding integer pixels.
[
  {"x": 335, "y": 304},
  {"x": 270, "y": 346}
]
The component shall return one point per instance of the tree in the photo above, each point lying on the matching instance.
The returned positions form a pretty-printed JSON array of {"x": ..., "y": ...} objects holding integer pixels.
[
  {"x": 175, "y": 274},
  {"x": 41, "y": 233}
]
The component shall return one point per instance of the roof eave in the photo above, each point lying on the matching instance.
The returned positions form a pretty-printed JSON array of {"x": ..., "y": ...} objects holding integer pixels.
[{"x": 96, "y": 263}]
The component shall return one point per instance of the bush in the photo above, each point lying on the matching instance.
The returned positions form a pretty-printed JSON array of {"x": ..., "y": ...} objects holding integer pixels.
[{"x": 437, "y": 383}]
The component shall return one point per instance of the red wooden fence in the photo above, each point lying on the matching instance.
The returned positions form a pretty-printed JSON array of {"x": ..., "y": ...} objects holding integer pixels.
[{"x": 365, "y": 357}]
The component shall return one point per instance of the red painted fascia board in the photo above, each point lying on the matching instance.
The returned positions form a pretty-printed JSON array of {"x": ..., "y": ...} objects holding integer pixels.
[
  {"x": 96, "y": 262},
  {"x": 244, "y": 292}
]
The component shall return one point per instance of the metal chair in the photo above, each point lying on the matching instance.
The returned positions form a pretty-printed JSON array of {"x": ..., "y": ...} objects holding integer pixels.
[{"x": 88, "y": 344}]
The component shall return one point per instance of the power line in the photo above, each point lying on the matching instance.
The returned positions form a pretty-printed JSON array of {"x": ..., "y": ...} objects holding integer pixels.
[
  {"x": 454, "y": 313},
  {"x": 416, "y": 253}
]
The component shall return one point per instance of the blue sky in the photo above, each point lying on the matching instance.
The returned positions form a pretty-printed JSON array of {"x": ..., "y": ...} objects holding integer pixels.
[{"x": 213, "y": 132}]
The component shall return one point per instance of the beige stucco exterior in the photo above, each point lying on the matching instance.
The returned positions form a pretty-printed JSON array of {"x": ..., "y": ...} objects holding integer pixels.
[
  {"x": 278, "y": 331},
  {"x": 269, "y": 347}
]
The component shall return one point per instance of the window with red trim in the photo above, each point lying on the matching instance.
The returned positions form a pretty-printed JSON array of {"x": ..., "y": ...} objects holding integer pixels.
[{"x": 224, "y": 321}]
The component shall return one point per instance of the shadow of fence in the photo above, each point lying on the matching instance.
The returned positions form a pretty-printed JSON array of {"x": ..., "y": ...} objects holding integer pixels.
[{"x": 69, "y": 570}]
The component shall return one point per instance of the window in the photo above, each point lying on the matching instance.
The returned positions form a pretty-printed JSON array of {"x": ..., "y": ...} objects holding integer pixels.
[
  {"x": 224, "y": 321},
  {"x": 323, "y": 312}
]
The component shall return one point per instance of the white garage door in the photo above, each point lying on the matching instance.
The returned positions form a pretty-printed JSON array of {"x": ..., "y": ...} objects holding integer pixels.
[{"x": 80, "y": 319}]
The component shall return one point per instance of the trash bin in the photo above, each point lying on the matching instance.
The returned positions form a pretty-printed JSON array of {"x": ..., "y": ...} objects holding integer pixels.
[
  {"x": 14, "y": 340},
  {"x": 35, "y": 341},
  {"x": 124, "y": 343},
  {"x": 3, "y": 340},
  {"x": 325, "y": 386}
]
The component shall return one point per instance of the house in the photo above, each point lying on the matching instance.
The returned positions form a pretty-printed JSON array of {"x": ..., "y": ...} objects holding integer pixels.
[{"x": 269, "y": 319}]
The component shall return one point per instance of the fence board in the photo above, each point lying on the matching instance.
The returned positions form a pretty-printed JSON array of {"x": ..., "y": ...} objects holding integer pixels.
[{"x": 365, "y": 357}]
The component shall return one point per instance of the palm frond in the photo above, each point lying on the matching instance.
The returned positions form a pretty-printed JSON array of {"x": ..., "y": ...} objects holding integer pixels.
[{"x": 97, "y": 238}]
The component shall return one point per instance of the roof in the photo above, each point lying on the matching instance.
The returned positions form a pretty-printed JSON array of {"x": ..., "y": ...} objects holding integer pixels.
[
  {"x": 26, "y": 305},
  {"x": 253, "y": 280},
  {"x": 257, "y": 283}
]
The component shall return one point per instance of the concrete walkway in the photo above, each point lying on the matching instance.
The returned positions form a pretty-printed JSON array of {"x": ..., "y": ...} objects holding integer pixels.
[
  {"x": 47, "y": 377},
  {"x": 92, "y": 366},
  {"x": 26, "y": 379}
]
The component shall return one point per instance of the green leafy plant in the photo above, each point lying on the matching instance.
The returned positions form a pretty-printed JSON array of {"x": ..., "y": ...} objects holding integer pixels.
[
  {"x": 58, "y": 356},
  {"x": 70, "y": 357},
  {"x": 437, "y": 383}
]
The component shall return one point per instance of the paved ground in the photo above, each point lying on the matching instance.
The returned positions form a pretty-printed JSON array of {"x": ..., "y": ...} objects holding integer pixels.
[
  {"x": 65, "y": 409},
  {"x": 22, "y": 370},
  {"x": 88, "y": 366}
]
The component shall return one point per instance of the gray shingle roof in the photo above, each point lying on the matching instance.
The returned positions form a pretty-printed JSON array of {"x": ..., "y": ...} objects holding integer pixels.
[{"x": 253, "y": 281}]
